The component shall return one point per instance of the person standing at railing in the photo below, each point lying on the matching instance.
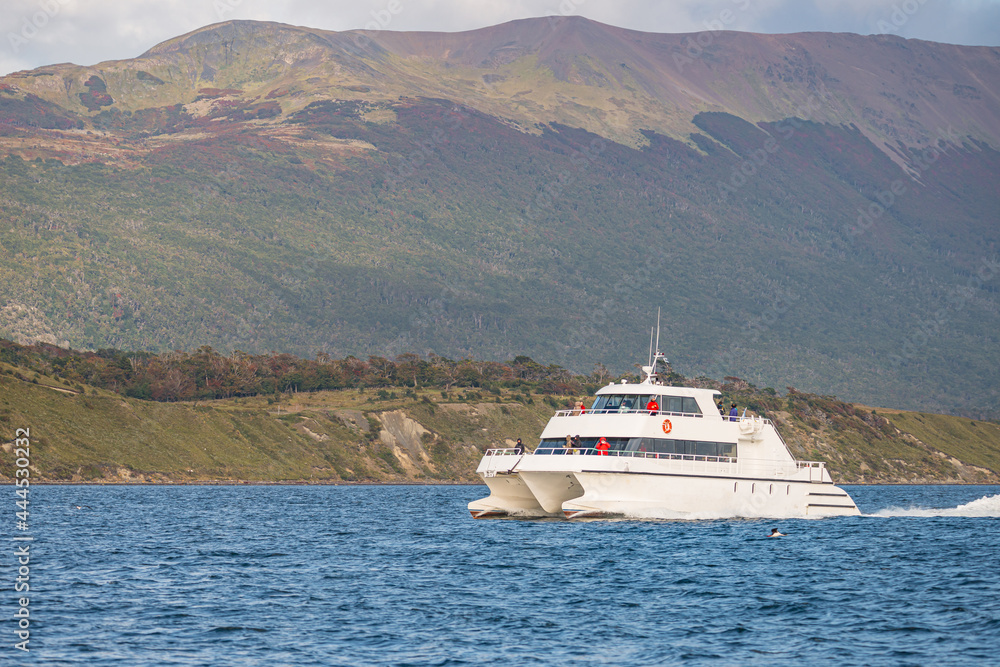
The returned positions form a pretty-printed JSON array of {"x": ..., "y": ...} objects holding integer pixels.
[
  {"x": 603, "y": 446},
  {"x": 734, "y": 414},
  {"x": 653, "y": 406},
  {"x": 582, "y": 409},
  {"x": 519, "y": 447},
  {"x": 575, "y": 444}
]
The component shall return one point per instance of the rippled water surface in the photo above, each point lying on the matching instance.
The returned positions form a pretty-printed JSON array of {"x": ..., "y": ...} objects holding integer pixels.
[{"x": 404, "y": 576}]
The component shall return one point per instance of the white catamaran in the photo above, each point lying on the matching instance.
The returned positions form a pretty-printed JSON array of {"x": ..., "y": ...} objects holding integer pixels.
[{"x": 653, "y": 450}]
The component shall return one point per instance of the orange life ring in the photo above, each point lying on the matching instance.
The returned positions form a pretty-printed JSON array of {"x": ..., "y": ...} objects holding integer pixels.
[{"x": 667, "y": 426}]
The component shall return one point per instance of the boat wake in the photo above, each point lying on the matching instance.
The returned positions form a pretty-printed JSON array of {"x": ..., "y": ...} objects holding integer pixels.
[
  {"x": 660, "y": 514},
  {"x": 987, "y": 506}
]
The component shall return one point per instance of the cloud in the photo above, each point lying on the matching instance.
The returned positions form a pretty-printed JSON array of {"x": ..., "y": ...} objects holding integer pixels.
[{"x": 40, "y": 32}]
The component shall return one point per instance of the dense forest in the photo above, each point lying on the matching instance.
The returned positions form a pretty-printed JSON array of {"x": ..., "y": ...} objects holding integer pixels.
[
  {"x": 207, "y": 374},
  {"x": 359, "y": 210}
]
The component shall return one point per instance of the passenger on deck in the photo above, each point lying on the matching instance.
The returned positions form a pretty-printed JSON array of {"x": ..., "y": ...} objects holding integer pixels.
[
  {"x": 603, "y": 446},
  {"x": 576, "y": 444},
  {"x": 734, "y": 415},
  {"x": 568, "y": 445},
  {"x": 653, "y": 406},
  {"x": 519, "y": 447},
  {"x": 582, "y": 408}
]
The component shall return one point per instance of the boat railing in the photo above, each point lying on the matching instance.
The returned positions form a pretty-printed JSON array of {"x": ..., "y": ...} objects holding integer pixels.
[
  {"x": 503, "y": 452},
  {"x": 630, "y": 411},
  {"x": 590, "y": 451}
]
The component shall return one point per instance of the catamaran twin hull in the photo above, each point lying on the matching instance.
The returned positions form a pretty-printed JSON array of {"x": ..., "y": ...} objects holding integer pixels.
[
  {"x": 553, "y": 483},
  {"x": 648, "y": 449}
]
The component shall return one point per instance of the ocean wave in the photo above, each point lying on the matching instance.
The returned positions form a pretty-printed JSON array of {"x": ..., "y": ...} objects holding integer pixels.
[{"x": 987, "y": 506}]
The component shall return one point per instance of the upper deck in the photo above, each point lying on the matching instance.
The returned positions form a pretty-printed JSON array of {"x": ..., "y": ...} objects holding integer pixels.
[{"x": 683, "y": 421}]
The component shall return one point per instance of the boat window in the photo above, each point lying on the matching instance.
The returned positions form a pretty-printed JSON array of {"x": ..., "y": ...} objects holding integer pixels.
[
  {"x": 629, "y": 403},
  {"x": 618, "y": 444},
  {"x": 651, "y": 446},
  {"x": 686, "y": 447},
  {"x": 679, "y": 404},
  {"x": 611, "y": 402},
  {"x": 691, "y": 406},
  {"x": 706, "y": 448}
]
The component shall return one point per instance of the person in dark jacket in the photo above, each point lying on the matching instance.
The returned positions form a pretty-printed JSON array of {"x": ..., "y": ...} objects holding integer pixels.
[{"x": 519, "y": 447}]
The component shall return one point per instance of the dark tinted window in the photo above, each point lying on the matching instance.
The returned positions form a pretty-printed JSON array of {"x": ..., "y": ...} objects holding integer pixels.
[{"x": 691, "y": 406}]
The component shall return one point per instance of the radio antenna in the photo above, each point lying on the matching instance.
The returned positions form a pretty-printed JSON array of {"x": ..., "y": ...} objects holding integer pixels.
[{"x": 657, "y": 331}]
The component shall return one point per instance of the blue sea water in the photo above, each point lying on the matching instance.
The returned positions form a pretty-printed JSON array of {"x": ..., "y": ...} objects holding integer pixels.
[{"x": 402, "y": 575}]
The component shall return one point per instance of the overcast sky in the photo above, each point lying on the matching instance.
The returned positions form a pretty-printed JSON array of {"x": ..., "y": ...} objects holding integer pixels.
[{"x": 85, "y": 32}]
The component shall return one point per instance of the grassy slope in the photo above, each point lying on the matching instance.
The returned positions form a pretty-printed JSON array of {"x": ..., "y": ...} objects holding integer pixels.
[
  {"x": 102, "y": 436},
  {"x": 973, "y": 442},
  {"x": 332, "y": 437}
]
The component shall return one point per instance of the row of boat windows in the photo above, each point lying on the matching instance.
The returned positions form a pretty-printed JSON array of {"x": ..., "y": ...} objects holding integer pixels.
[
  {"x": 652, "y": 445},
  {"x": 632, "y": 402}
]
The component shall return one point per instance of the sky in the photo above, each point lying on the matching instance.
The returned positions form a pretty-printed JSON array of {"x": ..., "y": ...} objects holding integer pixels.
[{"x": 86, "y": 32}]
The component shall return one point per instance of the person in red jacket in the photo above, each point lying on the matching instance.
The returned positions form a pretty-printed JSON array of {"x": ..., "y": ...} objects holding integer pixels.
[
  {"x": 653, "y": 406},
  {"x": 603, "y": 446}
]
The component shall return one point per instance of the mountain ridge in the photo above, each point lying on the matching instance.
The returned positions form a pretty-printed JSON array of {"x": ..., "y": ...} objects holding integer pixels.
[
  {"x": 581, "y": 54},
  {"x": 260, "y": 187}
]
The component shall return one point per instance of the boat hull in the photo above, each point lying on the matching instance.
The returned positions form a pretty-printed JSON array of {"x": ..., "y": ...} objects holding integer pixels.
[
  {"x": 588, "y": 486},
  {"x": 692, "y": 497},
  {"x": 509, "y": 495}
]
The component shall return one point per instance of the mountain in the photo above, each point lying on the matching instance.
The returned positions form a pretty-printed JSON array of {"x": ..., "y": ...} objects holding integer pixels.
[{"x": 817, "y": 210}]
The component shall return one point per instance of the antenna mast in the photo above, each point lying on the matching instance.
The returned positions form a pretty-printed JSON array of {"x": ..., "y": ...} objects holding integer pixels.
[{"x": 657, "y": 330}]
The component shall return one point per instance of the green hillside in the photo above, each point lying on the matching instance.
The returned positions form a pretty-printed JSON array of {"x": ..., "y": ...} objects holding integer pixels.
[
  {"x": 431, "y": 435},
  {"x": 382, "y": 201}
]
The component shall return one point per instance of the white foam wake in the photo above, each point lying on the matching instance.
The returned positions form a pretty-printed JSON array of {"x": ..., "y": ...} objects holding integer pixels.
[
  {"x": 747, "y": 513},
  {"x": 987, "y": 506}
]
